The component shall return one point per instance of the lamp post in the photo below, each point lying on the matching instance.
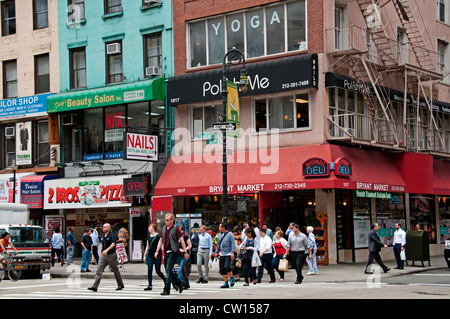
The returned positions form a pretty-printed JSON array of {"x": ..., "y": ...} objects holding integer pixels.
[{"x": 235, "y": 57}]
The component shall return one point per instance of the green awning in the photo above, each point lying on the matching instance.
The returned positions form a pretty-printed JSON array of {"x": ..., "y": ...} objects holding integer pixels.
[{"x": 107, "y": 95}]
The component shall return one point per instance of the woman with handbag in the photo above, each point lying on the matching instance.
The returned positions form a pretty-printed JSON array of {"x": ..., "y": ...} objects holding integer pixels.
[
  {"x": 279, "y": 245},
  {"x": 149, "y": 256},
  {"x": 247, "y": 248}
]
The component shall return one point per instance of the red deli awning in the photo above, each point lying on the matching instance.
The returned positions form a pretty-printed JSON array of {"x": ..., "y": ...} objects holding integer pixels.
[
  {"x": 254, "y": 171},
  {"x": 441, "y": 177}
]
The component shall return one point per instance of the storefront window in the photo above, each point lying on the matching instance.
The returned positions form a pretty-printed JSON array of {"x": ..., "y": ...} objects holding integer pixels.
[
  {"x": 210, "y": 210},
  {"x": 361, "y": 220},
  {"x": 115, "y": 120},
  {"x": 157, "y": 123},
  {"x": 285, "y": 112},
  {"x": 138, "y": 116},
  {"x": 389, "y": 212},
  {"x": 93, "y": 140},
  {"x": 444, "y": 218},
  {"x": 423, "y": 215},
  {"x": 298, "y": 207}
]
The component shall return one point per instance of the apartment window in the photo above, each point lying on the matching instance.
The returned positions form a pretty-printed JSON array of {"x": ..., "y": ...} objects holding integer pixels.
[
  {"x": 10, "y": 145},
  {"x": 340, "y": 31},
  {"x": 443, "y": 55},
  {"x": 75, "y": 11},
  {"x": 202, "y": 119},
  {"x": 112, "y": 6},
  {"x": 78, "y": 68},
  {"x": 153, "y": 50},
  {"x": 273, "y": 29},
  {"x": 442, "y": 8},
  {"x": 42, "y": 73},
  {"x": 114, "y": 64},
  {"x": 8, "y": 18},
  {"x": 442, "y": 50},
  {"x": 43, "y": 145},
  {"x": 40, "y": 13},
  {"x": 283, "y": 113},
  {"x": 402, "y": 46},
  {"x": 10, "y": 79}
]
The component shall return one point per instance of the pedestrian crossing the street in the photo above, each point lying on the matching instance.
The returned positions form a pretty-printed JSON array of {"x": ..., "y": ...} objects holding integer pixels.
[{"x": 107, "y": 290}]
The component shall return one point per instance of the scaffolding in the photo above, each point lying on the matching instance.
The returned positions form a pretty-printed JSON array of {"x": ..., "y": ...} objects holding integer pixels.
[{"x": 375, "y": 60}]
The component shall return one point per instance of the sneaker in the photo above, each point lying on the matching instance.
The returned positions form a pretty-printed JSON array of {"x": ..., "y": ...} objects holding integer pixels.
[
  {"x": 232, "y": 281},
  {"x": 310, "y": 273},
  {"x": 225, "y": 285}
]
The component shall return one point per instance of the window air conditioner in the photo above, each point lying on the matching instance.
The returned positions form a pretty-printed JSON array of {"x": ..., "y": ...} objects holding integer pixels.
[
  {"x": 69, "y": 119},
  {"x": 152, "y": 1},
  {"x": 113, "y": 48},
  {"x": 152, "y": 71},
  {"x": 10, "y": 131}
]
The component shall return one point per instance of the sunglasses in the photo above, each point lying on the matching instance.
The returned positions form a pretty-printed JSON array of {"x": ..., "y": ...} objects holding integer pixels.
[{"x": 168, "y": 220}]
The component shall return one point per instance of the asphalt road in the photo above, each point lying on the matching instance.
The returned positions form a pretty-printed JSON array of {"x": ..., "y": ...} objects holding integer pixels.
[{"x": 431, "y": 284}]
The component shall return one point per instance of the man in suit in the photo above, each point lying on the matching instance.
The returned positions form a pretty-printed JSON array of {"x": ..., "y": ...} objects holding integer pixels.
[{"x": 375, "y": 245}]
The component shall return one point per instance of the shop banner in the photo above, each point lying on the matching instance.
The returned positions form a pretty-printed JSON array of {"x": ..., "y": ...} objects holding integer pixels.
[
  {"x": 87, "y": 192},
  {"x": 22, "y": 107},
  {"x": 111, "y": 95},
  {"x": 292, "y": 73}
]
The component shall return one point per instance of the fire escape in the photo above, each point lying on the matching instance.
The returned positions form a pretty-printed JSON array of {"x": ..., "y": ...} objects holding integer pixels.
[{"x": 376, "y": 62}]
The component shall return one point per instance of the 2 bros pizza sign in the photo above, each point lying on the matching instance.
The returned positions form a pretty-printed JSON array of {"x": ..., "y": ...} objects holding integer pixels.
[{"x": 89, "y": 192}]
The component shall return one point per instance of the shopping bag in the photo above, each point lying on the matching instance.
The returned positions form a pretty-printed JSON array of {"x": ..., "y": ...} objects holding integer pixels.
[
  {"x": 215, "y": 265},
  {"x": 283, "y": 265},
  {"x": 256, "y": 261},
  {"x": 403, "y": 255}
]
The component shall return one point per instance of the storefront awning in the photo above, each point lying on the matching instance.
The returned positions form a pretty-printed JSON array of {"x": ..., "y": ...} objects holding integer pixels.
[
  {"x": 283, "y": 169},
  {"x": 108, "y": 95},
  {"x": 441, "y": 177},
  {"x": 32, "y": 189}
]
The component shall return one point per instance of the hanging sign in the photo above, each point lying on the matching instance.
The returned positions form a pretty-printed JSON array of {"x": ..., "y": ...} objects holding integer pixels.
[
  {"x": 343, "y": 167},
  {"x": 316, "y": 167}
]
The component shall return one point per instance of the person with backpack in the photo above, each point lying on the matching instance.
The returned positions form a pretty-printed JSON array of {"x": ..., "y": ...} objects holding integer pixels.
[{"x": 170, "y": 240}]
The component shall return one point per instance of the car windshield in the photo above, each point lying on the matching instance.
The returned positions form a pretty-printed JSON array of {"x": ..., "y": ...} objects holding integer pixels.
[{"x": 28, "y": 235}]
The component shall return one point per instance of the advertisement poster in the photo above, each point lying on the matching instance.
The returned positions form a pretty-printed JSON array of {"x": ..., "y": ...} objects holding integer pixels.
[
  {"x": 23, "y": 143},
  {"x": 361, "y": 232},
  {"x": 52, "y": 222}
]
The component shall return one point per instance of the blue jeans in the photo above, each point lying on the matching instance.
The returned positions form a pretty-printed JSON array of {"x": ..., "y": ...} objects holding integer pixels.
[
  {"x": 157, "y": 263},
  {"x": 397, "y": 250},
  {"x": 181, "y": 261},
  {"x": 276, "y": 262},
  {"x": 86, "y": 258},
  {"x": 69, "y": 254},
  {"x": 169, "y": 261}
]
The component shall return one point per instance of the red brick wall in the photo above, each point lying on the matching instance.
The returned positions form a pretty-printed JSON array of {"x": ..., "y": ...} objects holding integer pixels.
[{"x": 186, "y": 10}]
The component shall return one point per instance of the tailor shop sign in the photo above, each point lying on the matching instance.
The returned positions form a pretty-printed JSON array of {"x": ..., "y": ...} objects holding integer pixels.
[
  {"x": 23, "y": 107},
  {"x": 89, "y": 192}
]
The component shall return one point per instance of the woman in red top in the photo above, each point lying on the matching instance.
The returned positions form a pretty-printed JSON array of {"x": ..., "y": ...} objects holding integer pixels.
[
  {"x": 279, "y": 244},
  {"x": 4, "y": 243}
]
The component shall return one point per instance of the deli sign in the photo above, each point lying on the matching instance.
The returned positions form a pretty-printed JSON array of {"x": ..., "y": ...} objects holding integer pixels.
[
  {"x": 315, "y": 167},
  {"x": 88, "y": 192}
]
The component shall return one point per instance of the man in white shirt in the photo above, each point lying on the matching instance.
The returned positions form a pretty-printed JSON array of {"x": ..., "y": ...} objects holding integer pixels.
[
  {"x": 399, "y": 244},
  {"x": 266, "y": 255}
]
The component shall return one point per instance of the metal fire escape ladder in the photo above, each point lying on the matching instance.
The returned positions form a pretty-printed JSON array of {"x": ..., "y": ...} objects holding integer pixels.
[
  {"x": 370, "y": 69},
  {"x": 423, "y": 59}
]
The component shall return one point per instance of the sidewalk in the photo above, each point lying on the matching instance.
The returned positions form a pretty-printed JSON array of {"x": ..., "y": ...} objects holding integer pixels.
[{"x": 343, "y": 272}]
